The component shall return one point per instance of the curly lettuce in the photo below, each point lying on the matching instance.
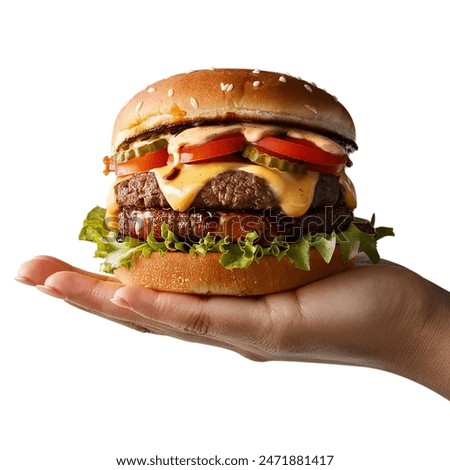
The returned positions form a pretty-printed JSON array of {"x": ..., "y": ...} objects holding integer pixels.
[{"x": 234, "y": 255}]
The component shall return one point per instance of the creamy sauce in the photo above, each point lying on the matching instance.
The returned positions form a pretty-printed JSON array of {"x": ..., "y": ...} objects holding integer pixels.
[
  {"x": 324, "y": 143},
  {"x": 293, "y": 192},
  {"x": 252, "y": 132}
]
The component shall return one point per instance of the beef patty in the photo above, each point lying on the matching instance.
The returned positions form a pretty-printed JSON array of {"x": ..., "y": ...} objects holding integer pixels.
[
  {"x": 232, "y": 190},
  {"x": 194, "y": 224}
]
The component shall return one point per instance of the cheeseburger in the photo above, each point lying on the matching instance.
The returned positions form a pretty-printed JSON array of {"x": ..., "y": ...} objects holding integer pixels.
[{"x": 231, "y": 182}]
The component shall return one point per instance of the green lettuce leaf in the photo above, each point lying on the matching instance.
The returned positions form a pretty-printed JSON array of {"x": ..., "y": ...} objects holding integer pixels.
[{"x": 233, "y": 255}]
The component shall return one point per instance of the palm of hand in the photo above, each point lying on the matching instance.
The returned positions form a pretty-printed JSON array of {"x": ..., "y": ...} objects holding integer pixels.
[{"x": 348, "y": 318}]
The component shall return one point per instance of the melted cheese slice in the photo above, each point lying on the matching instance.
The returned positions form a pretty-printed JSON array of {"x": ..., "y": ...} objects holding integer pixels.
[
  {"x": 112, "y": 208},
  {"x": 349, "y": 190},
  {"x": 293, "y": 192}
]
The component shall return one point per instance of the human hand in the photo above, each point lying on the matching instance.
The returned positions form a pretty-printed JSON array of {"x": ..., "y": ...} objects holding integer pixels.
[{"x": 382, "y": 316}]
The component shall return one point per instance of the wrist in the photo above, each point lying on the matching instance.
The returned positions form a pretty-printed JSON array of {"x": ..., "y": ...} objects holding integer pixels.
[{"x": 422, "y": 352}]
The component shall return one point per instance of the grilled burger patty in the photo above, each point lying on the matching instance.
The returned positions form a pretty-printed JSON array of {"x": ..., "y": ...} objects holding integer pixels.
[
  {"x": 232, "y": 190},
  {"x": 194, "y": 224},
  {"x": 233, "y": 203}
]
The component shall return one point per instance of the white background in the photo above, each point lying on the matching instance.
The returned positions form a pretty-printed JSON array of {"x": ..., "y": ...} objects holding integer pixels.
[{"x": 78, "y": 391}]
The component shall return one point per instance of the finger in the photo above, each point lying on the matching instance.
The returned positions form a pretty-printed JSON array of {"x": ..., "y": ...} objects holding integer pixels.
[
  {"x": 240, "y": 323},
  {"x": 93, "y": 295},
  {"x": 128, "y": 324},
  {"x": 165, "y": 321},
  {"x": 86, "y": 291},
  {"x": 37, "y": 270}
]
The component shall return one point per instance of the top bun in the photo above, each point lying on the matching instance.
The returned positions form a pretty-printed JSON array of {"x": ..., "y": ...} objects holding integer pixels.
[{"x": 233, "y": 95}]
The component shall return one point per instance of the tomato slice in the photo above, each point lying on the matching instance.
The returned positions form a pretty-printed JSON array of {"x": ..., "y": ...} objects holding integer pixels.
[
  {"x": 140, "y": 164},
  {"x": 223, "y": 145},
  {"x": 299, "y": 149}
]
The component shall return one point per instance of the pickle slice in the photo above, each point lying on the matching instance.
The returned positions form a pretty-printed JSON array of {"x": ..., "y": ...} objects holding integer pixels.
[
  {"x": 133, "y": 152},
  {"x": 269, "y": 161}
]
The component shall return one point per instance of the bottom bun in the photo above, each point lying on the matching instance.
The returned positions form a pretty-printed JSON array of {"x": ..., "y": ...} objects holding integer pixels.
[{"x": 180, "y": 272}]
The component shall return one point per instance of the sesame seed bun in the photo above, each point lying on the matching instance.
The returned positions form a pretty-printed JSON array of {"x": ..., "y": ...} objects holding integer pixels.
[
  {"x": 233, "y": 95},
  {"x": 179, "y": 272}
]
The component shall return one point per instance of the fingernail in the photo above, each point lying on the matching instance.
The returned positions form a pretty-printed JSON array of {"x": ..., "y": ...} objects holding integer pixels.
[
  {"x": 50, "y": 291},
  {"x": 120, "y": 302},
  {"x": 25, "y": 280}
]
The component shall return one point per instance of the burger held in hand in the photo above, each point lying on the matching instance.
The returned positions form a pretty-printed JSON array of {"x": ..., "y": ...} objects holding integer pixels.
[{"x": 230, "y": 182}]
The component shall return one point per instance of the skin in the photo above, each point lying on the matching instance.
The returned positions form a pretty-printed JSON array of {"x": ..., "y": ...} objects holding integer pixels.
[{"x": 382, "y": 316}]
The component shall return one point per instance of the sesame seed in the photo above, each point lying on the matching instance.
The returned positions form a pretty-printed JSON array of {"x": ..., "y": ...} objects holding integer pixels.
[
  {"x": 170, "y": 92},
  {"x": 308, "y": 87},
  {"x": 256, "y": 83},
  {"x": 150, "y": 89},
  {"x": 282, "y": 79},
  {"x": 335, "y": 98},
  {"x": 226, "y": 86},
  {"x": 194, "y": 102},
  {"x": 256, "y": 71},
  {"x": 311, "y": 108},
  {"x": 138, "y": 106}
]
